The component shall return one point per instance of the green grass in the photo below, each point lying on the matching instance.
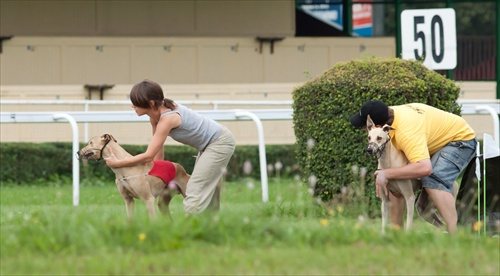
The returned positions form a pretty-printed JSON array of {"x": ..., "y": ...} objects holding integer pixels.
[{"x": 42, "y": 234}]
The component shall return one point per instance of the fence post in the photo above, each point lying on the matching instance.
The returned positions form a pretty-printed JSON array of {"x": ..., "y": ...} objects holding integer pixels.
[
  {"x": 76, "y": 164},
  {"x": 262, "y": 151}
]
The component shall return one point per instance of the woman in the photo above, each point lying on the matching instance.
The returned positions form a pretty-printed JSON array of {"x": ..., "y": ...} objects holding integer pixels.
[{"x": 214, "y": 141}]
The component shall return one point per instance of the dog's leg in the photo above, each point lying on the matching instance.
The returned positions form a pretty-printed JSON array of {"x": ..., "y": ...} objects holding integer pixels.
[
  {"x": 181, "y": 178},
  {"x": 408, "y": 193},
  {"x": 130, "y": 203},
  {"x": 410, "y": 210},
  {"x": 385, "y": 211},
  {"x": 142, "y": 188},
  {"x": 129, "y": 200},
  {"x": 397, "y": 209},
  {"x": 165, "y": 197},
  {"x": 150, "y": 205},
  {"x": 163, "y": 203}
]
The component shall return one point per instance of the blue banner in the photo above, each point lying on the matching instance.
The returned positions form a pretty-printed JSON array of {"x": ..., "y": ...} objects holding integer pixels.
[{"x": 330, "y": 12}]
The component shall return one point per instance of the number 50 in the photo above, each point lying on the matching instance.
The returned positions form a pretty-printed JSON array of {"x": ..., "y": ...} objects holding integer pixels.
[
  {"x": 429, "y": 31},
  {"x": 436, "y": 25}
]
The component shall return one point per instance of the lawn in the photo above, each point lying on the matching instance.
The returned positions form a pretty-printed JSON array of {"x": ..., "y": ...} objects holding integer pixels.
[{"x": 42, "y": 234}]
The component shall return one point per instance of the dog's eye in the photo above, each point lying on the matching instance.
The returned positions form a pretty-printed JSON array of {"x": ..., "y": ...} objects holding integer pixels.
[
  {"x": 379, "y": 138},
  {"x": 369, "y": 138}
]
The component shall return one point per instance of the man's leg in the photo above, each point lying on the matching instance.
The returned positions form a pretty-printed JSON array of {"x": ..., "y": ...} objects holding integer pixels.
[
  {"x": 427, "y": 210},
  {"x": 447, "y": 164},
  {"x": 445, "y": 204}
]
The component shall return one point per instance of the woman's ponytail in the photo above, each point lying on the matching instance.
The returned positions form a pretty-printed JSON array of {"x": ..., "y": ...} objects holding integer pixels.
[{"x": 168, "y": 103}]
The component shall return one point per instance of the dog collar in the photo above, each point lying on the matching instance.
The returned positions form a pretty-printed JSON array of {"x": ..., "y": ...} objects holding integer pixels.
[{"x": 102, "y": 149}]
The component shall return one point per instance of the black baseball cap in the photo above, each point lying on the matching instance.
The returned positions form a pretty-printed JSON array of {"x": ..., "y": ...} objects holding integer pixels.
[{"x": 378, "y": 111}]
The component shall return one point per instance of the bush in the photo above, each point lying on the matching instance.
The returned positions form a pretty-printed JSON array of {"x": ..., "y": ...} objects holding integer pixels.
[
  {"x": 44, "y": 163},
  {"x": 283, "y": 154},
  {"x": 328, "y": 147}
]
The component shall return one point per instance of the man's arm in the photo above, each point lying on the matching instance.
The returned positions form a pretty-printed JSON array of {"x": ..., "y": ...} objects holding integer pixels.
[{"x": 411, "y": 171}]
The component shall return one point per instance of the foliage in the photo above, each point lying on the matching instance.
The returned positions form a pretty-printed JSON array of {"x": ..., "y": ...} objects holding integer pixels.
[
  {"x": 282, "y": 154},
  {"x": 328, "y": 147},
  {"x": 28, "y": 161},
  {"x": 473, "y": 17},
  {"x": 34, "y": 164},
  {"x": 476, "y": 19}
]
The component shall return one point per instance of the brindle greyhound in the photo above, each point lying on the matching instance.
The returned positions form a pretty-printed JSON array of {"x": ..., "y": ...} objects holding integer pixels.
[{"x": 140, "y": 181}]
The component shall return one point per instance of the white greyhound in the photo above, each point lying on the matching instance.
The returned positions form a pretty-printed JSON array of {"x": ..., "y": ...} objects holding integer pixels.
[{"x": 379, "y": 144}]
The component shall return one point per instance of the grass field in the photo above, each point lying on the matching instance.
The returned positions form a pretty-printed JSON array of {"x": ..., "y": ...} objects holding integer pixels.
[{"x": 43, "y": 234}]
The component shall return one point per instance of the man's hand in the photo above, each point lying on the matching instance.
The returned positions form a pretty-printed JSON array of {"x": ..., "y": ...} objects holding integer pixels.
[
  {"x": 381, "y": 183},
  {"x": 111, "y": 160}
]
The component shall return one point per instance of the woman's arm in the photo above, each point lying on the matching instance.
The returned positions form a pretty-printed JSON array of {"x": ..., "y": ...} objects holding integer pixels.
[
  {"x": 160, "y": 154},
  {"x": 161, "y": 131}
]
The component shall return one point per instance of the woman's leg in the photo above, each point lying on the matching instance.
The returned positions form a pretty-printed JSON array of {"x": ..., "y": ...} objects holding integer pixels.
[{"x": 203, "y": 187}]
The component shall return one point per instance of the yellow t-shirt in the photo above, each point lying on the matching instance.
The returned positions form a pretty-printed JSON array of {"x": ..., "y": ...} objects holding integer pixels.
[{"x": 421, "y": 130}]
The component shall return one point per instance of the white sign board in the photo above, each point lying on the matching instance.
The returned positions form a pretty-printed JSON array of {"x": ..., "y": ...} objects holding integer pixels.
[{"x": 430, "y": 35}]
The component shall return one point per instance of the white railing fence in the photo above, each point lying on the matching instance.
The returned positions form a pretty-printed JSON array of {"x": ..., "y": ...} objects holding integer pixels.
[
  {"x": 469, "y": 107},
  {"x": 86, "y": 105},
  {"x": 129, "y": 116}
]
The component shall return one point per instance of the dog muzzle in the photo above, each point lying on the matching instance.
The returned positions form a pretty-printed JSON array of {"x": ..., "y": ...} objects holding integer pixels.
[{"x": 374, "y": 150}]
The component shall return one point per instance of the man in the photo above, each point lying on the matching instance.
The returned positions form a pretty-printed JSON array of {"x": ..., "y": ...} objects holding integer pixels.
[{"x": 438, "y": 145}]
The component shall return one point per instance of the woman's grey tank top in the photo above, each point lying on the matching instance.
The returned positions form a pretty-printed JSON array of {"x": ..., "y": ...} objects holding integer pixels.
[{"x": 195, "y": 130}]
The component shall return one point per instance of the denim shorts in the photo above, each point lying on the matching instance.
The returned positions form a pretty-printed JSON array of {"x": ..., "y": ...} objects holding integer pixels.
[{"x": 448, "y": 163}]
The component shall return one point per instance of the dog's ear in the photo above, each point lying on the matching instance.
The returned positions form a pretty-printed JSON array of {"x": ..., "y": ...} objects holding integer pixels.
[
  {"x": 386, "y": 128},
  {"x": 369, "y": 123},
  {"x": 108, "y": 137}
]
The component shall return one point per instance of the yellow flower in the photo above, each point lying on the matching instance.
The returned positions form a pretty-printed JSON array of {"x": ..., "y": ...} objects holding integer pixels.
[
  {"x": 331, "y": 212},
  {"x": 142, "y": 236},
  {"x": 477, "y": 226},
  {"x": 323, "y": 222},
  {"x": 340, "y": 209}
]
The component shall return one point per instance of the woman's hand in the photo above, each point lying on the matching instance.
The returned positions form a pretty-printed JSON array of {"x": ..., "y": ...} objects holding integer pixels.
[
  {"x": 381, "y": 183},
  {"x": 111, "y": 160}
]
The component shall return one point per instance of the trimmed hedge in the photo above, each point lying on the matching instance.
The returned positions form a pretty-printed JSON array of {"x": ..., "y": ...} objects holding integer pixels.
[
  {"x": 38, "y": 163},
  {"x": 328, "y": 147}
]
